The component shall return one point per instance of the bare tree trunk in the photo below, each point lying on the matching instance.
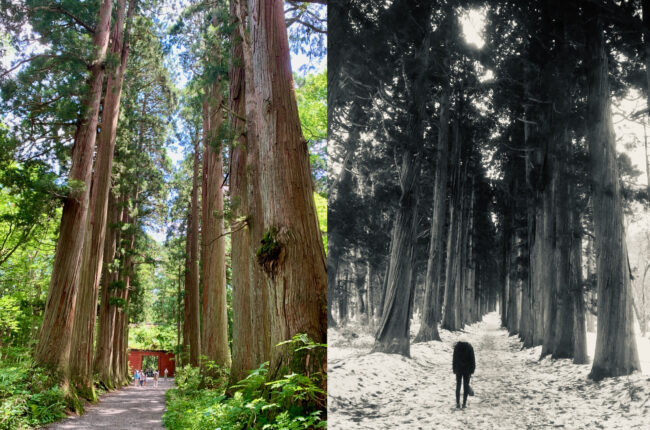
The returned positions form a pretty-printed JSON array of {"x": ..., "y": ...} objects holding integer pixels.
[
  {"x": 514, "y": 298},
  {"x": 548, "y": 279},
  {"x": 360, "y": 273},
  {"x": 563, "y": 345},
  {"x": 242, "y": 353},
  {"x": 107, "y": 313},
  {"x": 53, "y": 348},
  {"x": 339, "y": 190},
  {"x": 430, "y": 315},
  {"x": 343, "y": 299},
  {"x": 450, "y": 319},
  {"x": 393, "y": 333},
  {"x": 81, "y": 358},
  {"x": 384, "y": 287},
  {"x": 579, "y": 333},
  {"x": 179, "y": 311},
  {"x": 192, "y": 322},
  {"x": 616, "y": 352},
  {"x": 463, "y": 256},
  {"x": 564, "y": 328},
  {"x": 251, "y": 325},
  {"x": 292, "y": 254},
  {"x": 120, "y": 336},
  {"x": 213, "y": 242}
]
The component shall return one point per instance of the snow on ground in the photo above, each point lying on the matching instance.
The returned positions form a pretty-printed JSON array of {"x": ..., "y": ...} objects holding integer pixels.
[{"x": 514, "y": 389}]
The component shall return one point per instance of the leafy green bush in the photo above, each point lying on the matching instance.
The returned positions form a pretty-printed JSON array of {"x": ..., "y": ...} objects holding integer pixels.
[
  {"x": 29, "y": 397},
  {"x": 293, "y": 402},
  {"x": 188, "y": 379}
]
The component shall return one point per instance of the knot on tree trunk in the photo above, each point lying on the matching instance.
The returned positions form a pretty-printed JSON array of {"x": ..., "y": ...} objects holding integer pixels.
[{"x": 271, "y": 252}]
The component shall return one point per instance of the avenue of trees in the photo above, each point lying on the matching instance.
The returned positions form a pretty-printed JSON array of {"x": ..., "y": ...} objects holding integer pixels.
[
  {"x": 91, "y": 102},
  {"x": 466, "y": 178}
]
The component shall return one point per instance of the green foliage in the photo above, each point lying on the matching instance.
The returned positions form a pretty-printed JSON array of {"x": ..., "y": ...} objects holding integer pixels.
[
  {"x": 311, "y": 95},
  {"x": 321, "y": 211},
  {"x": 27, "y": 200},
  {"x": 117, "y": 285},
  {"x": 188, "y": 379},
  {"x": 20, "y": 317},
  {"x": 294, "y": 401},
  {"x": 9, "y": 309},
  {"x": 29, "y": 397},
  {"x": 150, "y": 336},
  {"x": 270, "y": 250},
  {"x": 117, "y": 301}
]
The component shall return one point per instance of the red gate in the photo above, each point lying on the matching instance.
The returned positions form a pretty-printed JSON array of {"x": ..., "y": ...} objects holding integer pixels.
[{"x": 165, "y": 360}]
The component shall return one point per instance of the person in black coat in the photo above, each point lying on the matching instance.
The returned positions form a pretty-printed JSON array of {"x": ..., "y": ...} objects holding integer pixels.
[{"x": 464, "y": 366}]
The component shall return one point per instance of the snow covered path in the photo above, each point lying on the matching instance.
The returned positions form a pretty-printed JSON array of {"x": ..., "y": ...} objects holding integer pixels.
[{"x": 514, "y": 390}]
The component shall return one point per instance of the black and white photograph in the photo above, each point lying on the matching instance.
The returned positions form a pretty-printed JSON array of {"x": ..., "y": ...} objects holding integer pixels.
[{"x": 488, "y": 214}]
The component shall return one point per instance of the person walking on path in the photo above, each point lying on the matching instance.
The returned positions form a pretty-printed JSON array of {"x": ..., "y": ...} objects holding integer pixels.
[
  {"x": 155, "y": 378},
  {"x": 463, "y": 365},
  {"x": 136, "y": 377},
  {"x": 166, "y": 372}
]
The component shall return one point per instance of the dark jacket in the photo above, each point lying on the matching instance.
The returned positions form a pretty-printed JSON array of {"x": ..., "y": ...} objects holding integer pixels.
[{"x": 463, "y": 362}]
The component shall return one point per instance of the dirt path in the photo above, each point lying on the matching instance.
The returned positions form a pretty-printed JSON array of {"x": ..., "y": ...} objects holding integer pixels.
[
  {"x": 514, "y": 389},
  {"x": 128, "y": 408}
]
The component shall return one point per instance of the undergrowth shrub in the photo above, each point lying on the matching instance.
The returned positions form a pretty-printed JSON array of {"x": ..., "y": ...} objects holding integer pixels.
[
  {"x": 293, "y": 402},
  {"x": 29, "y": 397}
]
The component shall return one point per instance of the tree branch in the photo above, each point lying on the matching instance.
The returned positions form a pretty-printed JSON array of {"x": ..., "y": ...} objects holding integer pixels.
[{"x": 26, "y": 60}]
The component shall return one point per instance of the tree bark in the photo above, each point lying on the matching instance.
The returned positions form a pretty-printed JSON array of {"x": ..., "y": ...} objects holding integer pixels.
[
  {"x": 616, "y": 352},
  {"x": 120, "y": 336},
  {"x": 107, "y": 312},
  {"x": 179, "y": 311},
  {"x": 514, "y": 298},
  {"x": 242, "y": 349},
  {"x": 450, "y": 318},
  {"x": 430, "y": 315},
  {"x": 251, "y": 325},
  {"x": 292, "y": 254},
  {"x": 548, "y": 278},
  {"x": 564, "y": 329},
  {"x": 83, "y": 332},
  {"x": 579, "y": 332},
  {"x": 340, "y": 189},
  {"x": 213, "y": 242},
  {"x": 393, "y": 333},
  {"x": 360, "y": 273},
  {"x": 191, "y": 318},
  {"x": 53, "y": 349}
]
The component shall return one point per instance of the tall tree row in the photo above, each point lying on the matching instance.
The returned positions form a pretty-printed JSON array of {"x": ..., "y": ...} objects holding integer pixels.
[
  {"x": 56, "y": 332},
  {"x": 92, "y": 255},
  {"x": 261, "y": 207},
  {"x": 99, "y": 222},
  {"x": 518, "y": 170}
]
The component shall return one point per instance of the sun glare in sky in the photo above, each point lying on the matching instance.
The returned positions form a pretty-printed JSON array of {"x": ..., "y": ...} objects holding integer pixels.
[{"x": 472, "y": 23}]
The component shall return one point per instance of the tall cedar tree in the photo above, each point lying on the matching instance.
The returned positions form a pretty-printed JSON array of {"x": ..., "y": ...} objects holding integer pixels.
[
  {"x": 81, "y": 359},
  {"x": 54, "y": 342},
  {"x": 291, "y": 254},
  {"x": 251, "y": 327},
  {"x": 616, "y": 353}
]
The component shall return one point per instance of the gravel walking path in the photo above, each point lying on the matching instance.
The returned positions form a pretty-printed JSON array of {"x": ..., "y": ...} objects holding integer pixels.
[{"x": 129, "y": 408}]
